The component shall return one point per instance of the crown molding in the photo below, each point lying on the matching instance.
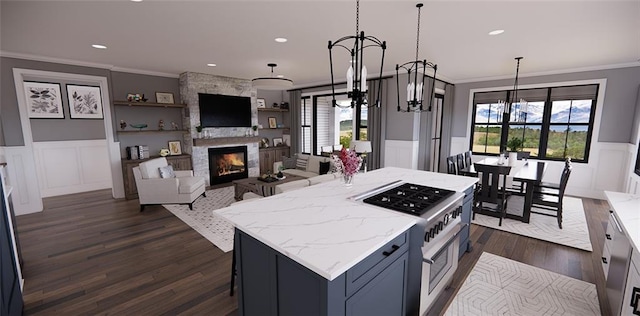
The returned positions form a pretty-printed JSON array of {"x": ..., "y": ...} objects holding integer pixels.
[
  {"x": 85, "y": 64},
  {"x": 552, "y": 72}
]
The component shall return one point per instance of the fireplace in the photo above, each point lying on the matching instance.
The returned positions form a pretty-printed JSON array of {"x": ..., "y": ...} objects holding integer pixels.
[{"x": 227, "y": 164}]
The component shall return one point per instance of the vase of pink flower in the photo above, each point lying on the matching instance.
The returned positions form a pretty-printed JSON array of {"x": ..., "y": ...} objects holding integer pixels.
[{"x": 348, "y": 163}]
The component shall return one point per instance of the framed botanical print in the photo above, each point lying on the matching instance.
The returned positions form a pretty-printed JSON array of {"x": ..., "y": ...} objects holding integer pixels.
[
  {"x": 175, "y": 147},
  {"x": 164, "y": 97},
  {"x": 43, "y": 100},
  {"x": 85, "y": 102}
]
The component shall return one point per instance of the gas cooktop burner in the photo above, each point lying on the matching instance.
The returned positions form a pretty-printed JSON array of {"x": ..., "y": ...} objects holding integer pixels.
[{"x": 409, "y": 198}]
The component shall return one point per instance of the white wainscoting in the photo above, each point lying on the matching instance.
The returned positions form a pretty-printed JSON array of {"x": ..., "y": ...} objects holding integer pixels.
[
  {"x": 66, "y": 167},
  {"x": 632, "y": 184},
  {"x": 22, "y": 177},
  {"x": 401, "y": 154}
]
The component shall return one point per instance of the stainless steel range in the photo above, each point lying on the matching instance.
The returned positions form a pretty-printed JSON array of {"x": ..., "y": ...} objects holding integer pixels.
[{"x": 438, "y": 211}]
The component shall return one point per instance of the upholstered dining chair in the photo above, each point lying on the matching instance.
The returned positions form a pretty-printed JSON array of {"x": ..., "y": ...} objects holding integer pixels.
[
  {"x": 550, "y": 199},
  {"x": 492, "y": 190},
  {"x": 158, "y": 183}
]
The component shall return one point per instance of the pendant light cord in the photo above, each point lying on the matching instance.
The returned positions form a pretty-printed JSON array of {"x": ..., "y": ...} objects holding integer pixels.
[
  {"x": 357, "y": 17},
  {"x": 418, "y": 32}
]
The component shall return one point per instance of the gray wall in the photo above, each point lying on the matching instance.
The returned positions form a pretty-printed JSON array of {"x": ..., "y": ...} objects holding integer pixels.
[
  {"x": 400, "y": 125},
  {"x": 619, "y": 102},
  {"x": 44, "y": 129}
]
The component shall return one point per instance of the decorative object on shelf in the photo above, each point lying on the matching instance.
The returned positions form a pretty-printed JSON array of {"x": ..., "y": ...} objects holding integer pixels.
[
  {"x": 277, "y": 141},
  {"x": 416, "y": 85},
  {"x": 85, "y": 102},
  {"x": 520, "y": 108},
  {"x": 199, "y": 130},
  {"x": 139, "y": 126},
  {"x": 348, "y": 163},
  {"x": 275, "y": 105},
  {"x": 272, "y": 122},
  {"x": 43, "y": 100},
  {"x": 161, "y": 125},
  {"x": 164, "y": 152},
  {"x": 174, "y": 126},
  {"x": 280, "y": 125},
  {"x": 264, "y": 142},
  {"x": 164, "y": 97},
  {"x": 255, "y": 130},
  {"x": 123, "y": 124},
  {"x": 261, "y": 103},
  {"x": 284, "y": 105},
  {"x": 286, "y": 139},
  {"x": 361, "y": 147},
  {"x": 357, "y": 72},
  {"x": 272, "y": 83},
  {"x": 134, "y": 97},
  {"x": 175, "y": 147}
]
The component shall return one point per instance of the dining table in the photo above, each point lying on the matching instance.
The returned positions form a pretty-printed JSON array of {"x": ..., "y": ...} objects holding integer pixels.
[{"x": 525, "y": 171}]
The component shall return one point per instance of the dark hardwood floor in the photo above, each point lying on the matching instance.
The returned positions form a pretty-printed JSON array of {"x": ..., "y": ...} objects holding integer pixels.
[{"x": 88, "y": 254}]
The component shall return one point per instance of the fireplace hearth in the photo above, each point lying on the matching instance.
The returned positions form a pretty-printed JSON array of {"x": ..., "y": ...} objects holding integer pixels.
[{"x": 227, "y": 164}]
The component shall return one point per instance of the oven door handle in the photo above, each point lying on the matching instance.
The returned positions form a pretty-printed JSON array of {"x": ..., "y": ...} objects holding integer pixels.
[{"x": 452, "y": 239}]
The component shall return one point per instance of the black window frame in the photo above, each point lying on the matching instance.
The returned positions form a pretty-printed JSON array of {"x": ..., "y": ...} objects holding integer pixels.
[{"x": 545, "y": 125}]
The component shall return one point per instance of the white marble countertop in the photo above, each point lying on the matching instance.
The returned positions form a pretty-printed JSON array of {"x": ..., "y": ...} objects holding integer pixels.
[
  {"x": 627, "y": 208},
  {"x": 325, "y": 231}
]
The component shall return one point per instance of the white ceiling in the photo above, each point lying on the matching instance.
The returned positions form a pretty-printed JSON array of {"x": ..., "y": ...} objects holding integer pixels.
[{"x": 171, "y": 37}]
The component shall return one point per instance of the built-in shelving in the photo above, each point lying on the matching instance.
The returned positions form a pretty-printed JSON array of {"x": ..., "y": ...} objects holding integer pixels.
[
  {"x": 272, "y": 110},
  {"x": 151, "y": 131},
  {"x": 150, "y": 104},
  {"x": 277, "y": 128},
  {"x": 225, "y": 140}
]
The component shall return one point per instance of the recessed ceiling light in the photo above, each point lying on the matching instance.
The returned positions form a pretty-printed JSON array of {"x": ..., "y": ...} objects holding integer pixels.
[
  {"x": 136, "y": 0},
  {"x": 211, "y": 65},
  {"x": 99, "y": 46},
  {"x": 281, "y": 39},
  {"x": 496, "y": 32},
  {"x": 280, "y": 76}
]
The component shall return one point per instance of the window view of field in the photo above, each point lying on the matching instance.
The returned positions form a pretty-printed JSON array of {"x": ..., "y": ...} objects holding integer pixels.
[{"x": 346, "y": 126}]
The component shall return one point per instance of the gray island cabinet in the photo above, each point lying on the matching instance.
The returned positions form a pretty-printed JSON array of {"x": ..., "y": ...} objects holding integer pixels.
[{"x": 319, "y": 251}]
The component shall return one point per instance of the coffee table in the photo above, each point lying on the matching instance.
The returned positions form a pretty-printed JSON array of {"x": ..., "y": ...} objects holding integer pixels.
[{"x": 252, "y": 184}]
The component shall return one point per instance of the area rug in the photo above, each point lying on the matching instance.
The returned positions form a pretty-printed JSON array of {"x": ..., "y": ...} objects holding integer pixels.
[
  {"x": 215, "y": 229},
  {"x": 500, "y": 286},
  {"x": 574, "y": 232}
]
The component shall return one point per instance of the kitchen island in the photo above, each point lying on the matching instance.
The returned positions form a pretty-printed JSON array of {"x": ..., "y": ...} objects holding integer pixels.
[{"x": 317, "y": 251}]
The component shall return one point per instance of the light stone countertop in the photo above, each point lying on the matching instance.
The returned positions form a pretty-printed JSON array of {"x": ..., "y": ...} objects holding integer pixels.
[
  {"x": 627, "y": 208},
  {"x": 323, "y": 229}
]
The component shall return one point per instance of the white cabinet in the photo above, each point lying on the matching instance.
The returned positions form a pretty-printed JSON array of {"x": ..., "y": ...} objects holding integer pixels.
[{"x": 630, "y": 303}]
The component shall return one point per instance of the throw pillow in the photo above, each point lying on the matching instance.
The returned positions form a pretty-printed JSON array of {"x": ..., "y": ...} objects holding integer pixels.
[
  {"x": 325, "y": 167},
  {"x": 289, "y": 162},
  {"x": 301, "y": 164},
  {"x": 166, "y": 172}
]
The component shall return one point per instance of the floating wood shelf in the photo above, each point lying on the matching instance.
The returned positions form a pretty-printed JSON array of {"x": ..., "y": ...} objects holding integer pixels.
[
  {"x": 151, "y": 131},
  {"x": 272, "y": 110},
  {"x": 162, "y": 105},
  {"x": 225, "y": 141}
]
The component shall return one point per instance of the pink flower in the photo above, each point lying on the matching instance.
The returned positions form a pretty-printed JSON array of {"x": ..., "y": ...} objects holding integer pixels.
[{"x": 347, "y": 162}]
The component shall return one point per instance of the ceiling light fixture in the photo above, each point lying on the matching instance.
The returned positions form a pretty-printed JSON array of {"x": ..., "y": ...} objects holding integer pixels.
[
  {"x": 98, "y": 46},
  {"x": 496, "y": 32},
  {"x": 272, "y": 83},
  {"x": 416, "y": 85},
  {"x": 281, "y": 40},
  {"x": 520, "y": 108},
  {"x": 357, "y": 72},
  {"x": 211, "y": 65}
]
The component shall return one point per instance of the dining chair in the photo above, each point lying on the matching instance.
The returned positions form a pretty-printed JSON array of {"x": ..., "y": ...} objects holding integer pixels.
[
  {"x": 523, "y": 155},
  {"x": 551, "y": 200},
  {"x": 467, "y": 158},
  {"x": 451, "y": 165},
  {"x": 460, "y": 162},
  {"x": 493, "y": 190},
  {"x": 519, "y": 185},
  {"x": 550, "y": 186}
]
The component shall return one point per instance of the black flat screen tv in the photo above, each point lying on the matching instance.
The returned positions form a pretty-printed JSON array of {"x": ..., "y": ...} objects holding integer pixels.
[{"x": 217, "y": 110}]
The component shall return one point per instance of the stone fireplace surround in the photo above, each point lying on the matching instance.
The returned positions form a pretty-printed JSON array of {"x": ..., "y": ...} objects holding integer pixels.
[{"x": 193, "y": 83}]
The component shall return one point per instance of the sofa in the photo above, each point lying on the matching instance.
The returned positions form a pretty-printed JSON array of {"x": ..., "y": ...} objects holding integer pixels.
[{"x": 303, "y": 165}]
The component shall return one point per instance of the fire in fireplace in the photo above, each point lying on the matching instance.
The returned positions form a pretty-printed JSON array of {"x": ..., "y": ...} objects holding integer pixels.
[{"x": 227, "y": 164}]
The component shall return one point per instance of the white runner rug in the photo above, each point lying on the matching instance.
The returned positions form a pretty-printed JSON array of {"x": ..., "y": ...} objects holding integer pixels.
[
  {"x": 574, "y": 232},
  {"x": 500, "y": 286},
  {"x": 215, "y": 229}
]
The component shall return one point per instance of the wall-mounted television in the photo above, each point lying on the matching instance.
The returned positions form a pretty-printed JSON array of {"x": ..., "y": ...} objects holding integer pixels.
[{"x": 217, "y": 110}]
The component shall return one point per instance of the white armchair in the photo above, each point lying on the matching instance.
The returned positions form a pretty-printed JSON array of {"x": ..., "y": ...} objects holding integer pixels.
[{"x": 184, "y": 188}]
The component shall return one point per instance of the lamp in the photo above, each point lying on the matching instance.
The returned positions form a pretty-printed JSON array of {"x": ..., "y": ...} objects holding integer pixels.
[
  {"x": 361, "y": 147},
  {"x": 357, "y": 72},
  {"x": 415, "y": 88},
  {"x": 272, "y": 83},
  {"x": 520, "y": 108}
]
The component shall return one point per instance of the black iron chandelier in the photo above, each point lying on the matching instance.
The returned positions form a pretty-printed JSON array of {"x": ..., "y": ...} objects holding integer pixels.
[
  {"x": 520, "y": 106},
  {"x": 416, "y": 83},
  {"x": 357, "y": 73}
]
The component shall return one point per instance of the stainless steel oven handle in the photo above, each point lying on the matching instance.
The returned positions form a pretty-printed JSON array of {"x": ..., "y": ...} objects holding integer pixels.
[
  {"x": 615, "y": 221},
  {"x": 446, "y": 244}
]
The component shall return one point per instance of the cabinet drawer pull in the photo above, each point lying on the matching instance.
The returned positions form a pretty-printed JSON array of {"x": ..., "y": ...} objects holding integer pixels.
[
  {"x": 393, "y": 249},
  {"x": 604, "y": 260},
  {"x": 608, "y": 236}
]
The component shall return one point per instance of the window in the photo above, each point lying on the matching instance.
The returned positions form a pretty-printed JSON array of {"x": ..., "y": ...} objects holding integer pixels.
[
  {"x": 324, "y": 126},
  {"x": 554, "y": 123}
]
